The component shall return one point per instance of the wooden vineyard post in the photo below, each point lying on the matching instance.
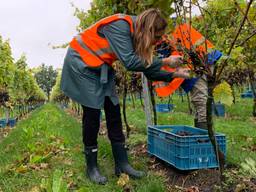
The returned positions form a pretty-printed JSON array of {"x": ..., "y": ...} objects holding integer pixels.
[{"x": 147, "y": 105}]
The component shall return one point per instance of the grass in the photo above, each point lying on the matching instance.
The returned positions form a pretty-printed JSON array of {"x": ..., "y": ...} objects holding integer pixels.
[
  {"x": 49, "y": 143},
  {"x": 238, "y": 125},
  {"x": 46, "y": 149}
]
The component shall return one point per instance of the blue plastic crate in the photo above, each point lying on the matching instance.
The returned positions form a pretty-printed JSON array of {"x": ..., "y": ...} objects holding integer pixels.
[
  {"x": 164, "y": 107},
  {"x": 247, "y": 94},
  {"x": 193, "y": 151},
  {"x": 181, "y": 94},
  {"x": 3, "y": 123},
  {"x": 218, "y": 109},
  {"x": 63, "y": 106},
  {"x": 30, "y": 107},
  {"x": 12, "y": 122}
]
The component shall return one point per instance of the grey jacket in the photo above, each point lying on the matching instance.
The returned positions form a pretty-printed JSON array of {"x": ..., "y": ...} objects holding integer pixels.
[{"x": 89, "y": 86}]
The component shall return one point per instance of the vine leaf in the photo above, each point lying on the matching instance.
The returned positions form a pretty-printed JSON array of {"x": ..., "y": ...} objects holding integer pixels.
[
  {"x": 249, "y": 166},
  {"x": 223, "y": 93},
  {"x": 236, "y": 53}
]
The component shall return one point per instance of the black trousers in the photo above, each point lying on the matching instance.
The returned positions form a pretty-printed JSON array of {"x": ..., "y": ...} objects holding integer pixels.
[{"x": 91, "y": 123}]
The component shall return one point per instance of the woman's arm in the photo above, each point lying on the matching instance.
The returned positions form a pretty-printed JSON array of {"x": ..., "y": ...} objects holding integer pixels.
[
  {"x": 119, "y": 37},
  {"x": 120, "y": 40}
]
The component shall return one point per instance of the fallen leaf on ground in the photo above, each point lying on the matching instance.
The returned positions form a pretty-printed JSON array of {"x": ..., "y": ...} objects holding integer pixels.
[
  {"x": 35, "y": 189},
  {"x": 240, "y": 187},
  {"x": 192, "y": 189},
  {"x": 123, "y": 180},
  {"x": 22, "y": 169}
]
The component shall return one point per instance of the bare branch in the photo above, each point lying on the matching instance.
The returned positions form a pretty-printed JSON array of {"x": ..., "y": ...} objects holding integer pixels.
[
  {"x": 234, "y": 40},
  {"x": 201, "y": 9},
  {"x": 240, "y": 9},
  {"x": 247, "y": 39},
  {"x": 190, "y": 22}
]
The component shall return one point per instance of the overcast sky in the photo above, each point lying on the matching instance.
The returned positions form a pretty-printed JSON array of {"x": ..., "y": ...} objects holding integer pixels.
[{"x": 32, "y": 24}]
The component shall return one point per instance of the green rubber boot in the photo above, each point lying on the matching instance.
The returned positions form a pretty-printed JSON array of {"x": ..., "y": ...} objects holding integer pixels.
[
  {"x": 121, "y": 162},
  {"x": 92, "y": 170}
]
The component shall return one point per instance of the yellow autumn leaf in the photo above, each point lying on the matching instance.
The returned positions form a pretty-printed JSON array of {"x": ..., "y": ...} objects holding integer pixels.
[
  {"x": 35, "y": 189},
  {"x": 22, "y": 169},
  {"x": 223, "y": 93},
  {"x": 236, "y": 53},
  {"x": 123, "y": 180}
]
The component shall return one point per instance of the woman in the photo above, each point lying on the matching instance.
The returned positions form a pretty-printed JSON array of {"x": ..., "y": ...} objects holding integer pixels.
[{"x": 88, "y": 77}]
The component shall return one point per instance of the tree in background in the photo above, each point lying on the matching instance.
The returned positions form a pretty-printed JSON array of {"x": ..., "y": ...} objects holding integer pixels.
[
  {"x": 56, "y": 94},
  {"x": 46, "y": 78},
  {"x": 103, "y": 8},
  {"x": 220, "y": 22},
  {"x": 6, "y": 70},
  {"x": 18, "y": 87},
  {"x": 228, "y": 24}
]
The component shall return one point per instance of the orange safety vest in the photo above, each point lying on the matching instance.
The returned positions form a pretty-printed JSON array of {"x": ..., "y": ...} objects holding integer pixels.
[
  {"x": 164, "y": 89},
  {"x": 184, "y": 36},
  {"x": 94, "y": 49}
]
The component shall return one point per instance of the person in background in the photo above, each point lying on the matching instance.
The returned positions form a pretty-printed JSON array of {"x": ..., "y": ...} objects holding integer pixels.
[
  {"x": 197, "y": 87},
  {"x": 88, "y": 78},
  {"x": 199, "y": 91}
]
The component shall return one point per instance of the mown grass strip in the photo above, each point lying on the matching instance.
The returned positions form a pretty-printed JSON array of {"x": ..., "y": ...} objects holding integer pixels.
[
  {"x": 238, "y": 125},
  {"x": 44, "y": 152}
]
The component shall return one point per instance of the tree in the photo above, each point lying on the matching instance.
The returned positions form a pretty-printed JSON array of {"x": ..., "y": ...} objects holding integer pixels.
[
  {"x": 46, "y": 78},
  {"x": 56, "y": 94},
  {"x": 17, "y": 84},
  {"x": 6, "y": 70},
  {"x": 222, "y": 20},
  {"x": 221, "y": 23},
  {"x": 102, "y": 8}
]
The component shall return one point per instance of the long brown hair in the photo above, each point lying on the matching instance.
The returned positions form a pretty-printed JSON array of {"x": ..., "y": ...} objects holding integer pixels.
[{"x": 148, "y": 23}]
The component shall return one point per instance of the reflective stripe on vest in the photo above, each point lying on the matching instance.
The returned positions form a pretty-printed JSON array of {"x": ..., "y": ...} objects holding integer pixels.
[
  {"x": 187, "y": 36},
  {"x": 97, "y": 53},
  {"x": 164, "y": 89},
  {"x": 94, "y": 49}
]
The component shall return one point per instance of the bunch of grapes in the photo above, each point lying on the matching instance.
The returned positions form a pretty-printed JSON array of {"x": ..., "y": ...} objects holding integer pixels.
[
  {"x": 136, "y": 84},
  {"x": 198, "y": 66},
  {"x": 164, "y": 49},
  {"x": 238, "y": 77},
  {"x": 4, "y": 97}
]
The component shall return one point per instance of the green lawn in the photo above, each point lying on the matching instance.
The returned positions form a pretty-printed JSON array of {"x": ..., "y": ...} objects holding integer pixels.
[
  {"x": 45, "y": 150},
  {"x": 238, "y": 125}
]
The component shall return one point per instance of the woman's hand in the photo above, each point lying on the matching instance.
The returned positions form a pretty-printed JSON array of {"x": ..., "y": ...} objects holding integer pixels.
[
  {"x": 182, "y": 73},
  {"x": 173, "y": 61}
]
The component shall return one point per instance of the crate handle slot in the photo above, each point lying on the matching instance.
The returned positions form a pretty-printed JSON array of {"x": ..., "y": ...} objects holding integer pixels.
[
  {"x": 162, "y": 135},
  {"x": 203, "y": 140}
]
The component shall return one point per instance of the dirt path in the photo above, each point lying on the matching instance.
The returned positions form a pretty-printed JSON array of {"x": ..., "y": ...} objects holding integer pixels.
[{"x": 205, "y": 180}]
